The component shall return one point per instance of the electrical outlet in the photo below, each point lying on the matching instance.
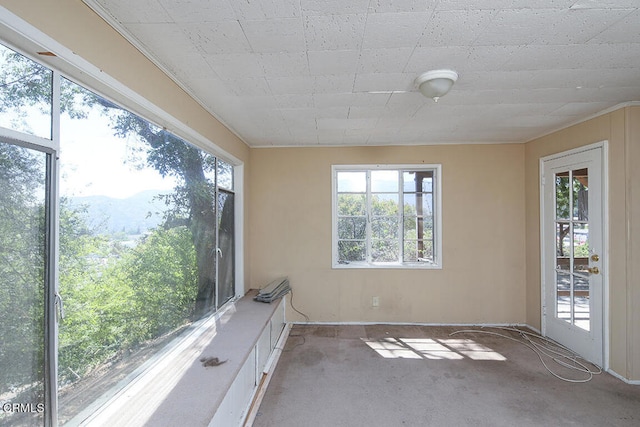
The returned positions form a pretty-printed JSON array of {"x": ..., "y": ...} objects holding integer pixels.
[{"x": 375, "y": 302}]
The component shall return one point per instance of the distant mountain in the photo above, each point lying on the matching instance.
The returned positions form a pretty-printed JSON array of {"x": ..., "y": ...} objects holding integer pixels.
[{"x": 132, "y": 215}]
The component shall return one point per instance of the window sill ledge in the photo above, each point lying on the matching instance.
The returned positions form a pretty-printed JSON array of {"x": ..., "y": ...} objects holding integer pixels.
[
  {"x": 177, "y": 389},
  {"x": 395, "y": 266}
]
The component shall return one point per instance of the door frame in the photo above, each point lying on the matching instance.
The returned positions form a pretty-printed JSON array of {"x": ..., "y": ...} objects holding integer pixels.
[{"x": 604, "y": 147}]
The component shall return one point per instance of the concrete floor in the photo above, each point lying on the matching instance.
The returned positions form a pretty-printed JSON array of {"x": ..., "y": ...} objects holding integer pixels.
[{"x": 387, "y": 375}]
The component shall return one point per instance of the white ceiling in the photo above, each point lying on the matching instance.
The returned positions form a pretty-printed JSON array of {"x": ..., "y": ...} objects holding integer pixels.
[{"x": 341, "y": 72}]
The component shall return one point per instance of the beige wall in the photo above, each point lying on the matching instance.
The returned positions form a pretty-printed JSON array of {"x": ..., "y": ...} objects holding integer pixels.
[
  {"x": 621, "y": 129},
  {"x": 483, "y": 236}
]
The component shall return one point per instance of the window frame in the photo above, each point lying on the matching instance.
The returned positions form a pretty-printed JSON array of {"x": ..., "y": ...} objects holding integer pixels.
[
  {"x": 25, "y": 39},
  {"x": 437, "y": 216}
]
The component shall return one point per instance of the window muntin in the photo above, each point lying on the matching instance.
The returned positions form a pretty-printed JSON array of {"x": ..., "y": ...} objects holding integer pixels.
[
  {"x": 26, "y": 94},
  {"x": 386, "y": 216}
]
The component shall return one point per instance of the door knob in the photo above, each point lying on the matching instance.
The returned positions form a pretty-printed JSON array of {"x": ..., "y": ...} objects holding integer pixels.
[
  {"x": 593, "y": 270},
  {"x": 595, "y": 258}
]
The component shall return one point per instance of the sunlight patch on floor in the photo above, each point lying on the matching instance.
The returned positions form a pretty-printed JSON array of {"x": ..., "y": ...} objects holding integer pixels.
[{"x": 432, "y": 349}]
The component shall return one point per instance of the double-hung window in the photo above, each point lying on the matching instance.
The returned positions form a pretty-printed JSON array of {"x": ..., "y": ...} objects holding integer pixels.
[{"x": 386, "y": 216}]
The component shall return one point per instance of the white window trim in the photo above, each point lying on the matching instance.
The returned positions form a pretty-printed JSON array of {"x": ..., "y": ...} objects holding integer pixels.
[{"x": 437, "y": 227}]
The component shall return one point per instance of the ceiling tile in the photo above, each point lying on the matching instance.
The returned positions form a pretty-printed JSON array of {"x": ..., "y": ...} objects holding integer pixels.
[
  {"x": 342, "y": 83},
  {"x": 384, "y": 60},
  {"x": 384, "y": 6},
  {"x": 520, "y": 27},
  {"x": 455, "y": 27},
  {"x": 604, "y": 4},
  {"x": 284, "y": 64},
  {"x": 626, "y": 30},
  {"x": 582, "y": 109},
  {"x": 275, "y": 35},
  {"x": 333, "y": 61},
  {"x": 232, "y": 65},
  {"x": 331, "y": 32},
  {"x": 199, "y": 70},
  {"x": 188, "y": 11},
  {"x": 333, "y": 7},
  {"x": 436, "y": 57},
  {"x": 249, "y": 86},
  {"x": 503, "y": 4},
  {"x": 579, "y": 26},
  {"x": 346, "y": 123},
  {"x": 219, "y": 37},
  {"x": 265, "y": 9},
  {"x": 376, "y": 82},
  {"x": 294, "y": 102},
  {"x": 393, "y": 30},
  {"x": 326, "y": 100},
  {"x": 339, "y": 83},
  {"x": 568, "y": 57},
  {"x": 165, "y": 39}
]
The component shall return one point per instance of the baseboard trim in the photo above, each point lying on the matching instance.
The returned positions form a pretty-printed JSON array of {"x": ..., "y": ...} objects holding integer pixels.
[
  {"x": 621, "y": 378},
  {"x": 485, "y": 325}
]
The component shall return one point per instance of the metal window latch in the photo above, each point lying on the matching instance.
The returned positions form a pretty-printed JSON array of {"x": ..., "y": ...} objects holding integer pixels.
[{"x": 60, "y": 304}]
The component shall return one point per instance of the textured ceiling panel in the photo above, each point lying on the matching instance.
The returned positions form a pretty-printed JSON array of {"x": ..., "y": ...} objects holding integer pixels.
[{"x": 342, "y": 72}]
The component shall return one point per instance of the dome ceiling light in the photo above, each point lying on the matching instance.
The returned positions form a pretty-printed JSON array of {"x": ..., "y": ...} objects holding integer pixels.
[{"x": 436, "y": 83}]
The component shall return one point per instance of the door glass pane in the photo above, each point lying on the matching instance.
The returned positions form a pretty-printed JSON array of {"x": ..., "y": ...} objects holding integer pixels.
[
  {"x": 22, "y": 284},
  {"x": 25, "y": 94},
  {"x": 226, "y": 244},
  {"x": 563, "y": 296},
  {"x": 563, "y": 246},
  {"x": 580, "y": 248},
  {"x": 563, "y": 195},
  {"x": 581, "y": 302},
  {"x": 580, "y": 195}
]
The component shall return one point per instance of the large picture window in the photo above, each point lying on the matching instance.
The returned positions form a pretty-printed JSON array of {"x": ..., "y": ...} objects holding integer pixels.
[
  {"x": 128, "y": 227},
  {"x": 386, "y": 216}
]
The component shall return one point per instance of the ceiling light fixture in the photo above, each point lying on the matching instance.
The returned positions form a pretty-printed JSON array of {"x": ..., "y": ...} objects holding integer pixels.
[{"x": 435, "y": 84}]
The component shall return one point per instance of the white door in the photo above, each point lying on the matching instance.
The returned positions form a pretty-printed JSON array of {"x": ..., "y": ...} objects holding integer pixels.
[{"x": 572, "y": 251}]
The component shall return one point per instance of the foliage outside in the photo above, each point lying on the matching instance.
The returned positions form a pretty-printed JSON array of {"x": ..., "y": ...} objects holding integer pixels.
[{"x": 117, "y": 297}]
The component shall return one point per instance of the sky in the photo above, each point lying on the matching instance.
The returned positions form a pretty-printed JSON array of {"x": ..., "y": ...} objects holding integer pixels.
[{"x": 95, "y": 162}]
